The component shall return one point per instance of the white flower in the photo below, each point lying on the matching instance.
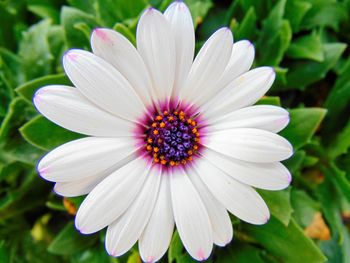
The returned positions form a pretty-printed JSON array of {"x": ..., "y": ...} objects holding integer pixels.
[{"x": 173, "y": 141}]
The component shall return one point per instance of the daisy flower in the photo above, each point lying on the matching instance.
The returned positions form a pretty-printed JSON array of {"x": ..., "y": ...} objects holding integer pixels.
[{"x": 172, "y": 140}]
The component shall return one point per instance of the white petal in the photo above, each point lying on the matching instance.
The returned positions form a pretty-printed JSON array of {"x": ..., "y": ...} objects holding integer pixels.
[
  {"x": 102, "y": 83},
  {"x": 181, "y": 23},
  {"x": 85, "y": 185},
  {"x": 265, "y": 117},
  {"x": 219, "y": 218},
  {"x": 84, "y": 158},
  {"x": 269, "y": 176},
  {"x": 252, "y": 145},
  {"x": 67, "y": 107},
  {"x": 242, "y": 57},
  {"x": 241, "y": 200},
  {"x": 110, "y": 198},
  {"x": 156, "y": 45},
  {"x": 124, "y": 232},
  {"x": 207, "y": 67},
  {"x": 79, "y": 187},
  {"x": 191, "y": 217},
  {"x": 156, "y": 237},
  {"x": 241, "y": 92},
  {"x": 118, "y": 51}
]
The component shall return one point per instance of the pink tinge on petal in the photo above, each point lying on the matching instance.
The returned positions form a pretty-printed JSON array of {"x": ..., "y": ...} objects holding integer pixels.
[
  {"x": 71, "y": 56},
  {"x": 283, "y": 120},
  {"x": 201, "y": 254},
  {"x": 289, "y": 178},
  {"x": 100, "y": 33},
  {"x": 42, "y": 172},
  {"x": 150, "y": 259}
]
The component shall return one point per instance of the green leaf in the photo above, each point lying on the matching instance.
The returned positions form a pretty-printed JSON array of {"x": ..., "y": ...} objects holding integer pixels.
[
  {"x": 338, "y": 177},
  {"x": 289, "y": 243},
  {"x": 22, "y": 190},
  {"x": 304, "y": 207},
  {"x": 295, "y": 12},
  {"x": 279, "y": 204},
  {"x": 96, "y": 254},
  {"x": 199, "y": 9},
  {"x": 70, "y": 241},
  {"x": 75, "y": 24},
  {"x": 28, "y": 89},
  {"x": 269, "y": 100},
  {"x": 303, "y": 124},
  {"x": 294, "y": 163},
  {"x": 324, "y": 13},
  {"x": 46, "y": 135},
  {"x": 328, "y": 196},
  {"x": 307, "y": 47},
  {"x": 275, "y": 36},
  {"x": 176, "y": 247},
  {"x": 134, "y": 258},
  {"x": 277, "y": 46},
  {"x": 240, "y": 253},
  {"x": 304, "y": 73},
  {"x": 12, "y": 146},
  {"x": 34, "y": 50},
  {"x": 110, "y": 12},
  {"x": 87, "y": 6},
  {"x": 247, "y": 27},
  {"x": 125, "y": 31},
  {"x": 337, "y": 102},
  {"x": 341, "y": 143},
  {"x": 44, "y": 9}
]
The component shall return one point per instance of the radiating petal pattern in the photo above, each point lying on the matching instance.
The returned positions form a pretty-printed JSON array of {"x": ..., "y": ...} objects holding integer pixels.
[
  {"x": 119, "y": 52},
  {"x": 85, "y": 185},
  {"x": 265, "y": 117},
  {"x": 208, "y": 67},
  {"x": 103, "y": 84},
  {"x": 182, "y": 25},
  {"x": 67, "y": 107},
  {"x": 156, "y": 237},
  {"x": 243, "y": 91},
  {"x": 240, "y": 199},
  {"x": 191, "y": 217},
  {"x": 84, "y": 158},
  {"x": 156, "y": 45},
  {"x": 269, "y": 176},
  {"x": 112, "y": 197},
  {"x": 252, "y": 145},
  {"x": 126, "y": 230},
  {"x": 219, "y": 218},
  {"x": 242, "y": 57}
]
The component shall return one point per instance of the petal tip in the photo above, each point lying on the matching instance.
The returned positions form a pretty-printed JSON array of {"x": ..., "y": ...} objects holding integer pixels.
[
  {"x": 201, "y": 255},
  {"x": 149, "y": 259},
  {"x": 289, "y": 178},
  {"x": 71, "y": 55},
  {"x": 100, "y": 33},
  {"x": 42, "y": 172}
]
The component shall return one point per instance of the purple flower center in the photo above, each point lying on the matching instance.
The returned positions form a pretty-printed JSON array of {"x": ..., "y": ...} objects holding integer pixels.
[{"x": 172, "y": 138}]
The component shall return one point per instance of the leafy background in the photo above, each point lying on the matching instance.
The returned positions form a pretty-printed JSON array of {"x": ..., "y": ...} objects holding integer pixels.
[{"x": 304, "y": 40}]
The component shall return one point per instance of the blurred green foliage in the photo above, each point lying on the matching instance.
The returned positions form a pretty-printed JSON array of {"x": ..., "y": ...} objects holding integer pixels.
[{"x": 304, "y": 40}]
